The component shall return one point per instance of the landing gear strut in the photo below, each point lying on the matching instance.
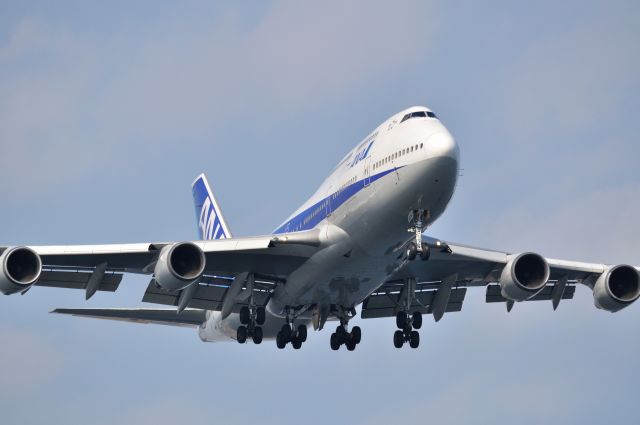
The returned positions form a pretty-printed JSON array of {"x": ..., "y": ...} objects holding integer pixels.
[
  {"x": 342, "y": 335},
  {"x": 252, "y": 318},
  {"x": 417, "y": 222}
]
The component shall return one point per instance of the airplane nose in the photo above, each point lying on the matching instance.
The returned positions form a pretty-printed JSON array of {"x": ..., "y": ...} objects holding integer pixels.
[{"x": 442, "y": 144}]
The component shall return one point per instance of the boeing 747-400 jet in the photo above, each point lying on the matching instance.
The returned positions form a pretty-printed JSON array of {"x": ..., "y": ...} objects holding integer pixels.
[{"x": 358, "y": 241}]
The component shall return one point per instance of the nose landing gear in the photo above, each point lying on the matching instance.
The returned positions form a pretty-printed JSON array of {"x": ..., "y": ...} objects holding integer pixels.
[{"x": 417, "y": 221}]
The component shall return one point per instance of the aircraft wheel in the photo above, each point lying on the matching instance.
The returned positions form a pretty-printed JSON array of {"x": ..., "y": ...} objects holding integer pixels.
[
  {"x": 356, "y": 334},
  {"x": 414, "y": 339},
  {"x": 257, "y": 335},
  {"x": 417, "y": 320},
  {"x": 426, "y": 252},
  {"x": 286, "y": 333},
  {"x": 398, "y": 339},
  {"x": 261, "y": 316},
  {"x": 296, "y": 343},
  {"x": 342, "y": 334},
  {"x": 241, "y": 335},
  {"x": 411, "y": 251},
  {"x": 335, "y": 343},
  {"x": 401, "y": 319},
  {"x": 351, "y": 344},
  {"x": 302, "y": 333},
  {"x": 245, "y": 315},
  {"x": 280, "y": 342}
]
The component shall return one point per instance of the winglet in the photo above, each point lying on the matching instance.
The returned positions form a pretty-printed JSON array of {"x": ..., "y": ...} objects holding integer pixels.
[{"x": 211, "y": 223}]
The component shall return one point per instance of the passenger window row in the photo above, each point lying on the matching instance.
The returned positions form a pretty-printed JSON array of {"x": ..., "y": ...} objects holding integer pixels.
[
  {"x": 396, "y": 155},
  {"x": 351, "y": 181}
]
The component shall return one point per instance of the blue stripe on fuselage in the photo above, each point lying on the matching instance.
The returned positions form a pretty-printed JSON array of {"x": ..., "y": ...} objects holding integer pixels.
[{"x": 313, "y": 215}]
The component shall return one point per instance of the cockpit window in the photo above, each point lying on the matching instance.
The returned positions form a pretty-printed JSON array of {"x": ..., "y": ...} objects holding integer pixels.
[{"x": 418, "y": 114}]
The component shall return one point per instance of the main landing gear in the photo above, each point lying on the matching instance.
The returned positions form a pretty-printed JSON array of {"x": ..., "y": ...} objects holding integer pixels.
[
  {"x": 417, "y": 221},
  {"x": 342, "y": 335},
  {"x": 290, "y": 334},
  {"x": 406, "y": 324},
  {"x": 349, "y": 339},
  {"x": 252, "y": 318}
]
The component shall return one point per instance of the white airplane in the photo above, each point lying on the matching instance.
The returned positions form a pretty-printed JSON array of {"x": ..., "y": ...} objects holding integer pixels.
[{"x": 357, "y": 241}]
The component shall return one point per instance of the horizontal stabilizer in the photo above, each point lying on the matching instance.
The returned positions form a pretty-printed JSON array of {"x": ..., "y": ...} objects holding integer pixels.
[{"x": 188, "y": 317}]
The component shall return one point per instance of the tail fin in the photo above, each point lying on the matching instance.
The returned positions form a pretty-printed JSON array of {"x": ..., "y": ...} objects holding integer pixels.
[{"x": 211, "y": 224}]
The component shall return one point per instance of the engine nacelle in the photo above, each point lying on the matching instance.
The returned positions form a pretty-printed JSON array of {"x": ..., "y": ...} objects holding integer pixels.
[
  {"x": 20, "y": 267},
  {"x": 524, "y": 276},
  {"x": 179, "y": 265},
  {"x": 616, "y": 288}
]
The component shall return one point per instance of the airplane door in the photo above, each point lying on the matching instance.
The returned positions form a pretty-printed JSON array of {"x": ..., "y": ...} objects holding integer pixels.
[{"x": 367, "y": 172}]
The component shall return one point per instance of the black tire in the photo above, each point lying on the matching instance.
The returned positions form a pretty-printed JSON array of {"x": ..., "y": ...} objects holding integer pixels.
[
  {"x": 286, "y": 333},
  {"x": 401, "y": 319},
  {"x": 245, "y": 315},
  {"x": 356, "y": 334},
  {"x": 302, "y": 333},
  {"x": 398, "y": 339},
  {"x": 280, "y": 343},
  {"x": 335, "y": 344},
  {"x": 411, "y": 250},
  {"x": 296, "y": 343},
  {"x": 241, "y": 334},
  {"x": 426, "y": 252},
  {"x": 261, "y": 316},
  {"x": 257, "y": 335},
  {"x": 350, "y": 344},
  {"x": 342, "y": 334},
  {"x": 417, "y": 320},
  {"x": 414, "y": 339}
]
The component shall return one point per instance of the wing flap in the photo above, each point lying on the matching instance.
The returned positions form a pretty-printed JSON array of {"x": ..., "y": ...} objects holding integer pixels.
[
  {"x": 77, "y": 280},
  {"x": 494, "y": 296},
  {"x": 209, "y": 295},
  {"x": 383, "y": 304}
]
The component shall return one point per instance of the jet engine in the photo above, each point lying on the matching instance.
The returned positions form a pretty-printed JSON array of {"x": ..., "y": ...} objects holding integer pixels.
[
  {"x": 524, "y": 276},
  {"x": 20, "y": 267},
  {"x": 179, "y": 265},
  {"x": 616, "y": 288}
]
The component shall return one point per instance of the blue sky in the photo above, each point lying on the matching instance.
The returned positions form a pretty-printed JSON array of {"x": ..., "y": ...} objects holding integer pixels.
[{"x": 109, "y": 110}]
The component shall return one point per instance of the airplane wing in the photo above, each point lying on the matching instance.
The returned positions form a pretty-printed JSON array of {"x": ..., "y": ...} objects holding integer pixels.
[
  {"x": 101, "y": 267},
  {"x": 187, "y": 318},
  {"x": 442, "y": 281}
]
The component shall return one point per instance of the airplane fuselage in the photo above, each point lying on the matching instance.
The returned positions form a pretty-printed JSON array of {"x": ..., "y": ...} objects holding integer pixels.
[{"x": 363, "y": 206}]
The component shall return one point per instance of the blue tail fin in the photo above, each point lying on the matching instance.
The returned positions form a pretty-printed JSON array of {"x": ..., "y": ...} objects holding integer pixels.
[{"x": 211, "y": 224}]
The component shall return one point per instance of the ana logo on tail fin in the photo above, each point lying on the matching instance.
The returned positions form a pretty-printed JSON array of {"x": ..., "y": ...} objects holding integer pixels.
[{"x": 211, "y": 224}]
